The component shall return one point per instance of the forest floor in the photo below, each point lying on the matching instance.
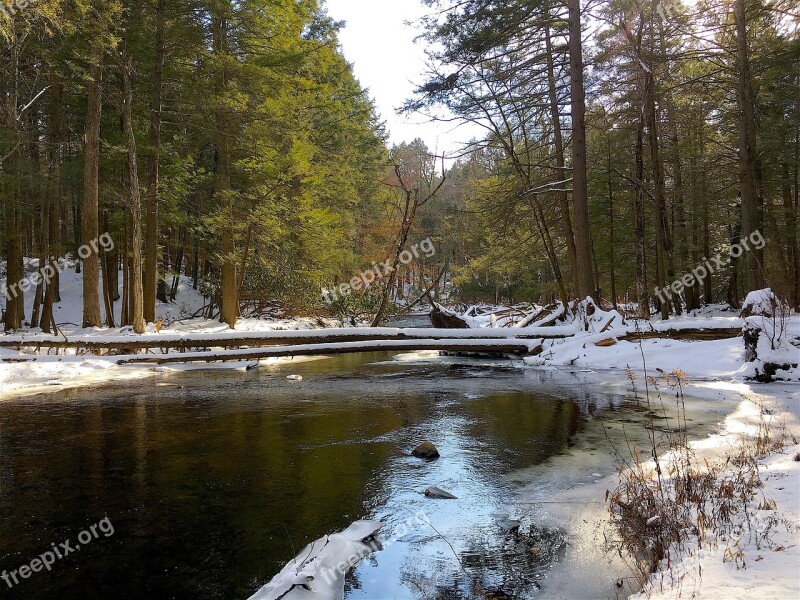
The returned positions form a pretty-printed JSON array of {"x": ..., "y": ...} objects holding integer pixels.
[{"x": 715, "y": 369}]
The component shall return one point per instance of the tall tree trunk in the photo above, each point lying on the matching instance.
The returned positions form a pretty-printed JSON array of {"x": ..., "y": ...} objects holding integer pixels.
[
  {"x": 135, "y": 276},
  {"x": 108, "y": 263},
  {"x": 229, "y": 302},
  {"x": 91, "y": 184},
  {"x": 662, "y": 233},
  {"x": 563, "y": 198},
  {"x": 790, "y": 213},
  {"x": 151, "y": 241},
  {"x": 580, "y": 184},
  {"x": 54, "y": 222},
  {"x": 611, "y": 233},
  {"x": 12, "y": 226},
  {"x": 754, "y": 274},
  {"x": 642, "y": 295}
]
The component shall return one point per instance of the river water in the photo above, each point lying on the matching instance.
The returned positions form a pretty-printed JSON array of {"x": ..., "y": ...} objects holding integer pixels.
[{"x": 214, "y": 479}]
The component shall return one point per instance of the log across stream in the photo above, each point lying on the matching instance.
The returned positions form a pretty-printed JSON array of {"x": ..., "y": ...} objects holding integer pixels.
[{"x": 256, "y": 345}]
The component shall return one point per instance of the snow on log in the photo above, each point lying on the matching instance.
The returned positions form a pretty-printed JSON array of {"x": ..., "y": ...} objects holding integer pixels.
[
  {"x": 185, "y": 342},
  {"x": 485, "y": 346},
  {"x": 318, "y": 572},
  {"x": 685, "y": 333}
]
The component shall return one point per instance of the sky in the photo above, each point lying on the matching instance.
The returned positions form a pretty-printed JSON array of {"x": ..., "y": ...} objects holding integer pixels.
[{"x": 387, "y": 61}]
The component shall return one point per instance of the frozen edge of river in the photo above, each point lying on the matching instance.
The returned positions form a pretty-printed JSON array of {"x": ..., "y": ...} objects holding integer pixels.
[{"x": 590, "y": 571}]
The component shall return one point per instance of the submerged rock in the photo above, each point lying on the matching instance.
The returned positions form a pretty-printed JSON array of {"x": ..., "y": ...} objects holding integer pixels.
[
  {"x": 426, "y": 450},
  {"x": 438, "y": 493},
  {"x": 294, "y": 377}
]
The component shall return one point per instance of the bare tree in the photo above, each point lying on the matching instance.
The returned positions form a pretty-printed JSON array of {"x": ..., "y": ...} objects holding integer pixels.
[{"x": 413, "y": 197}]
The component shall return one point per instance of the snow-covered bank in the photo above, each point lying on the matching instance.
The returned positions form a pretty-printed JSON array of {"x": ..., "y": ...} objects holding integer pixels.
[
  {"x": 68, "y": 370},
  {"x": 760, "y": 556},
  {"x": 592, "y": 568}
]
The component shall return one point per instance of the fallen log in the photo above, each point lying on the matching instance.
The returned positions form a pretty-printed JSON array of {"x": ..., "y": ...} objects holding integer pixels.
[
  {"x": 700, "y": 334},
  {"x": 499, "y": 346},
  {"x": 275, "y": 338},
  {"x": 441, "y": 318}
]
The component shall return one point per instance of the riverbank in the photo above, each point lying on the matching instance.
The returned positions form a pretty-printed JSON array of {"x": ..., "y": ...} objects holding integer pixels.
[{"x": 593, "y": 567}]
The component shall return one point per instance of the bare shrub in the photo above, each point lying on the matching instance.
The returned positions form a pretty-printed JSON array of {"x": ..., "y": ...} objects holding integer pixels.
[{"x": 668, "y": 503}]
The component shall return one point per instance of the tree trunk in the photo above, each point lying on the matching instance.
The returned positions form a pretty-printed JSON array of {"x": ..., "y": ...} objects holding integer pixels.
[
  {"x": 179, "y": 254},
  {"x": 643, "y": 297},
  {"x": 612, "y": 241},
  {"x": 13, "y": 234},
  {"x": 229, "y": 302},
  {"x": 151, "y": 241},
  {"x": 662, "y": 251},
  {"x": 91, "y": 184},
  {"x": 51, "y": 294},
  {"x": 790, "y": 213},
  {"x": 754, "y": 275},
  {"x": 580, "y": 183},
  {"x": 563, "y": 198},
  {"x": 135, "y": 276}
]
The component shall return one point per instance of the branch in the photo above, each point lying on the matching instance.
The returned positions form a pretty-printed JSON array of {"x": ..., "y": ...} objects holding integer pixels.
[{"x": 31, "y": 103}]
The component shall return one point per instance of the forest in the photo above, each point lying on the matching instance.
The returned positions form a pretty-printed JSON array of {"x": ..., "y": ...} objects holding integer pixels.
[
  {"x": 411, "y": 299},
  {"x": 625, "y": 144}
]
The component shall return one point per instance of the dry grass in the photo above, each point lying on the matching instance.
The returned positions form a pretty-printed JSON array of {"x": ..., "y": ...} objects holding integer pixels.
[{"x": 669, "y": 503}]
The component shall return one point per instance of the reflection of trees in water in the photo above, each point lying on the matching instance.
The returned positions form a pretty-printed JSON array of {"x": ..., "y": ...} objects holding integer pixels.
[{"x": 493, "y": 566}]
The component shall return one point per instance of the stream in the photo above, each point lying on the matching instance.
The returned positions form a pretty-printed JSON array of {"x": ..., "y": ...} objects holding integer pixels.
[{"x": 213, "y": 479}]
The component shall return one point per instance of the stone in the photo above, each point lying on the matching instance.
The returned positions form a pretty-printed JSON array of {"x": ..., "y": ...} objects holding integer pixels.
[
  {"x": 426, "y": 450},
  {"x": 435, "y": 492}
]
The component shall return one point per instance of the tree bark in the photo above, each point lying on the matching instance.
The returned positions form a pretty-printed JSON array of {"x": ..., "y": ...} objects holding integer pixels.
[
  {"x": 151, "y": 241},
  {"x": 580, "y": 183},
  {"x": 790, "y": 213},
  {"x": 643, "y": 297},
  {"x": 135, "y": 276},
  {"x": 754, "y": 275},
  {"x": 563, "y": 198},
  {"x": 662, "y": 255},
  {"x": 91, "y": 184},
  {"x": 13, "y": 234},
  {"x": 51, "y": 294},
  {"x": 229, "y": 302}
]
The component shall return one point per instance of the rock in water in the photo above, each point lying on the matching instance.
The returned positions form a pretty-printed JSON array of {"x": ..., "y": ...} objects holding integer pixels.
[
  {"x": 426, "y": 450},
  {"x": 435, "y": 492},
  {"x": 294, "y": 377}
]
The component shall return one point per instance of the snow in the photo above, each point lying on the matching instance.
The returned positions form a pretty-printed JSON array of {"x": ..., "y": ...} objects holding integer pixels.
[
  {"x": 760, "y": 302},
  {"x": 319, "y": 570},
  {"x": 571, "y": 496},
  {"x": 769, "y": 566},
  {"x": 716, "y": 359}
]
